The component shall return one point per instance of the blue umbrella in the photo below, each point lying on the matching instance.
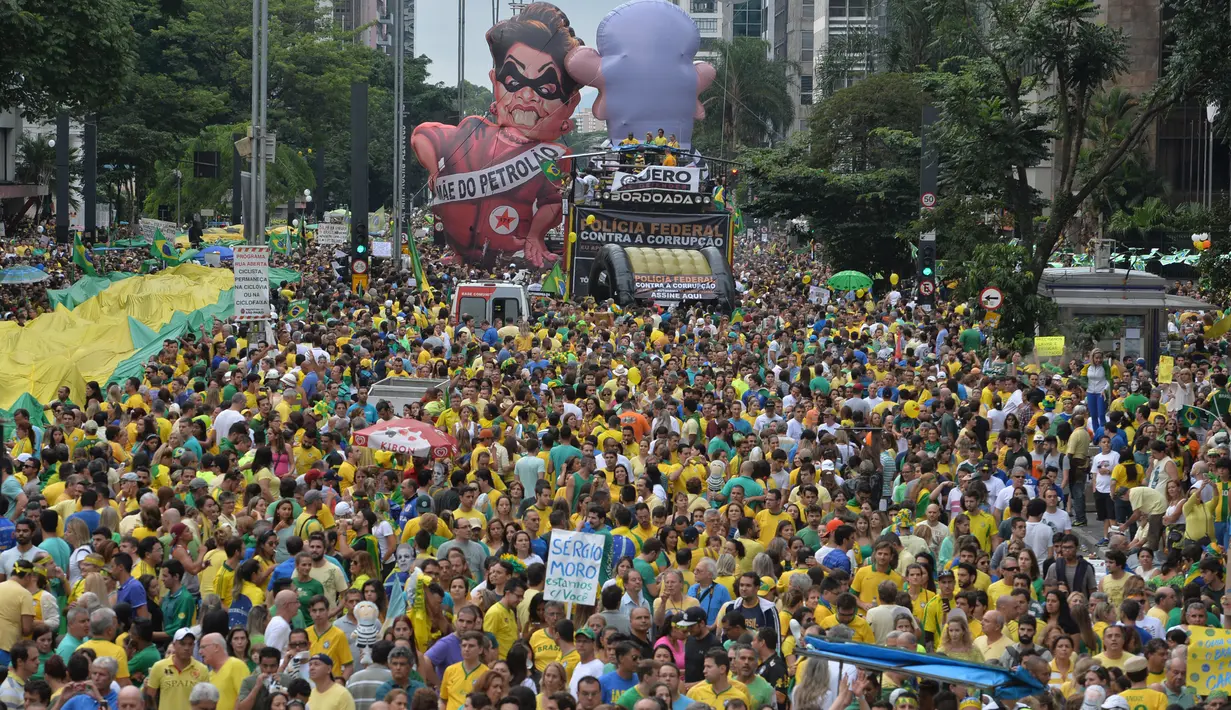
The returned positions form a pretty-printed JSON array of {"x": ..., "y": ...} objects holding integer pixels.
[{"x": 22, "y": 275}]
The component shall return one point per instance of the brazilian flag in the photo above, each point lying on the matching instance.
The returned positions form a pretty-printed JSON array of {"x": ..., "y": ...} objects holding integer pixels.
[
  {"x": 164, "y": 249},
  {"x": 551, "y": 170},
  {"x": 1196, "y": 417},
  {"x": 82, "y": 257},
  {"x": 720, "y": 198},
  {"x": 737, "y": 219},
  {"x": 280, "y": 240},
  {"x": 298, "y": 310},
  {"x": 554, "y": 282}
]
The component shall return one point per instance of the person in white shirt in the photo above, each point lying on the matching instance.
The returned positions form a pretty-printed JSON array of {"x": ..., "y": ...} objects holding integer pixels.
[
  {"x": 1038, "y": 533},
  {"x": 768, "y": 416},
  {"x": 278, "y": 630},
  {"x": 1054, "y": 515}
]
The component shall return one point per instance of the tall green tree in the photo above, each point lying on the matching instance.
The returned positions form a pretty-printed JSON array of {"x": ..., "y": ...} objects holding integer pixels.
[
  {"x": 64, "y": 56},
  {"x": 1027, "y": 93},
  {"x": 193, "y": 72},
  {"x": 749, "y": 103},
  {"x": 288, "y": 176}
]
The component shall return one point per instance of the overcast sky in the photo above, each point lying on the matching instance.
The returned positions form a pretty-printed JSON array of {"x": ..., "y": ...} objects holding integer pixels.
[{"x": 436, "y": 34}]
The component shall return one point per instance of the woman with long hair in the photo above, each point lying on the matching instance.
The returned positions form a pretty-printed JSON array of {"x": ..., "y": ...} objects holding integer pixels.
[
  {"x": 960, "y": 527},
  {"x": 491, "y": 683},
  {"x": 1088, "y": 642},
  {"x": 554, "y": 680},
  {"x": 673, "y": 639},
  {"x": 520, "y": 661},
  {"x": 373, "y": 591},
  {"x": 77, "y": 534},
  {"x": 245, "y": 584},
  {"x": 956, "y": 639},
  {"x": 522, "y": 548},
  {"x": 238, "y": 646}
]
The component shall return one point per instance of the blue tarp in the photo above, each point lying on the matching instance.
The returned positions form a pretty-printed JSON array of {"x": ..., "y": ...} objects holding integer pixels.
[
  {"x": 224, "y": 253},
  {"x": 1001, "y": 683}
]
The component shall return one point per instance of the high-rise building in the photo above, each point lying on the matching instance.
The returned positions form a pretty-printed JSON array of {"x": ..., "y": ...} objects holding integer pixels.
[
  {"x": 836, "y": 20},
  {"x": 585, "y": 122},
  {"x": 789, "y": 30},
  {"x": 385, "y": 21}
]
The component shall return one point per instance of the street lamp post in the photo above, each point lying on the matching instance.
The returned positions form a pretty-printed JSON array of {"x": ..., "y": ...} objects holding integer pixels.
[
  {"x": 303, "y": 218},
  {"x": 179, "y": 181}
]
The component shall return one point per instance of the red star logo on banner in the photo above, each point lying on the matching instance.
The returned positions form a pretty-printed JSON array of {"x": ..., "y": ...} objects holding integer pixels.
[{"x": 504, "y": 220}]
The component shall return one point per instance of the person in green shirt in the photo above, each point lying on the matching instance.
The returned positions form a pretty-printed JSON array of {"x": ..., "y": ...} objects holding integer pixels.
[
  {"x": 142, "y": 653},
  {"x": 745, "y": 668},
  {"x": 306, "y": 587},
  {"x": 970, "y": 339},
  {"x": 178, "y": 605},
  {"x": 810, "y": 533}
]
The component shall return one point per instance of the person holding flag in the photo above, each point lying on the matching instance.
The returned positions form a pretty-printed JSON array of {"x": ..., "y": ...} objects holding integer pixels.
[{"x": 83, "y": 258}]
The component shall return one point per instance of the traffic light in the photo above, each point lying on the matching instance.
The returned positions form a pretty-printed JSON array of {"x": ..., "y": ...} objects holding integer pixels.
[
  {"x": 359, "y": 242},
  {"x": 360, "y": 252},
  {"x": 927, "y": 271}
]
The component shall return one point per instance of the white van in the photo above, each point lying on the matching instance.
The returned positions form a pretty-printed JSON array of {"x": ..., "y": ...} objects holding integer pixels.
[{"x": 489, "y": 300}]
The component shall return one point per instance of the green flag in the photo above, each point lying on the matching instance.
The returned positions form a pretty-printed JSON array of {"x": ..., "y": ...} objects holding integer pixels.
[
  {"x": 82, "y": 257},
  {"x": 1196, "y": 417},
  {"x": 416, "y": 266},
  {"x": 554, "y": 283},
  {"x": 551, "y": 170}
]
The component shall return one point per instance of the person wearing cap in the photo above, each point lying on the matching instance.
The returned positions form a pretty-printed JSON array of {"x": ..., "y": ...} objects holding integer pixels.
[
  {"x": 327, "y": 694},
  {"x": 585, "y": 663},
  {"x": 1136, "y": 669},
  {"x": 309, "y": 521}
]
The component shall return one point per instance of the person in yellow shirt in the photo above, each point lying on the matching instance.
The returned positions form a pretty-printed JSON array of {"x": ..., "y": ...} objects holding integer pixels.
[
  {"x": 718, "y": 687},
  {"x": 768, "y": 519},
  {"x": 501, "y": 619},
  {"x": 227, "y": 673},
  {"x": 867, "y": 579},
  {"x": 1139, "y": 696},
  {"x": 325, "y": 638},
  {"x": 846, "y": 611},
  {"x": 327, "y": 694},
  {"x": 458, "y": 679},
  {"x": 1113, "y": 655},
  {"x": 103, "y": 630}
]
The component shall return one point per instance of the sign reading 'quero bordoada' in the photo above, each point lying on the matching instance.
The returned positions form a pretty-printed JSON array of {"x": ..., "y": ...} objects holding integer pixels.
[{"x": 633, "y": 229}]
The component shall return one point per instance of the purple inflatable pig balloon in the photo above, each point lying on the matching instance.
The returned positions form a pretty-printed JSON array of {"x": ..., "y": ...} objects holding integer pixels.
[{"x": 644, "y": 71}]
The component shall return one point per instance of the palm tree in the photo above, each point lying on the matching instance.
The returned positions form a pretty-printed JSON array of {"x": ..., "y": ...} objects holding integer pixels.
[
  {"x": 748, "y": 103},
  {"x": 1134, "y": 181},
  {"x": 36, "y": 165}
]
